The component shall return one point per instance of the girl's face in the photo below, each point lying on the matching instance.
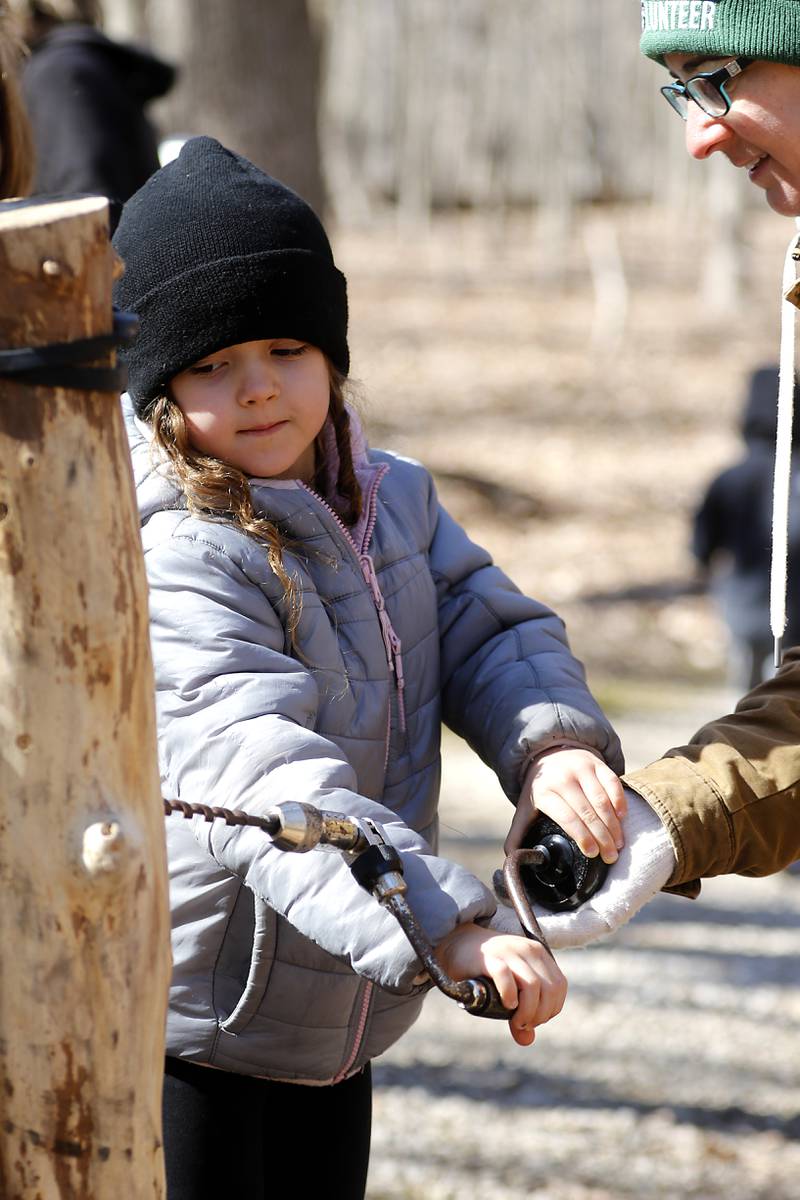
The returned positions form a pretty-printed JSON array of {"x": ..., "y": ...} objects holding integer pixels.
[
  {"x": 257, "y": 406},
  {"x": 760, "y": 132}
]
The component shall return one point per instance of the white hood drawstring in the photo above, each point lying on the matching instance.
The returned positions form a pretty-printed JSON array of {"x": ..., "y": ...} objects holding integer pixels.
[{"x": 783, "y": 447}]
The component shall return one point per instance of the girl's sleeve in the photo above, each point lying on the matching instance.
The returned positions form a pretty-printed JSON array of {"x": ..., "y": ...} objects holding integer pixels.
[
  {"x": 236, "y": 717},
  {"x": 510, "y": 683}
]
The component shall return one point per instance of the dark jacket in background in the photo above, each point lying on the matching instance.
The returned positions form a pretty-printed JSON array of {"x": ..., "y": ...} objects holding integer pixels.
[
  {"x": 734, "y": 523},
  {"x": 86, "y": 97}
]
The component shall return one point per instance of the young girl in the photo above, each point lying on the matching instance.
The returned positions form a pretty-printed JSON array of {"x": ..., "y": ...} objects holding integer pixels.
[{"x": 315, "y": 615}]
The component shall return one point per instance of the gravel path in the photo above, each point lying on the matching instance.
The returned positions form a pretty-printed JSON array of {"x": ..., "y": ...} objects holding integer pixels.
[{"x": 674, "y": 1070}]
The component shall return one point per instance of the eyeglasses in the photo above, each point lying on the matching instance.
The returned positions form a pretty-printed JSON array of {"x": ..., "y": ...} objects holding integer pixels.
[{"x": 707, "y": 90}]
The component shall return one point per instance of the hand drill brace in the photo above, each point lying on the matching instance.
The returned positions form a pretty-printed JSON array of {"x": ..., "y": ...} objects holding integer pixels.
[{"x": 377, "y": 866}]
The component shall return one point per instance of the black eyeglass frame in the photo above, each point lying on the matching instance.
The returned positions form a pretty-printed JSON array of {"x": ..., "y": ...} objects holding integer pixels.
[{"x": 677, "y": 91}]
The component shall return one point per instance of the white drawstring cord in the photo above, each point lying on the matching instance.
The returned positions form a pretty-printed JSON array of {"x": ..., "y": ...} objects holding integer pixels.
[{"x": 783, "y": 454}]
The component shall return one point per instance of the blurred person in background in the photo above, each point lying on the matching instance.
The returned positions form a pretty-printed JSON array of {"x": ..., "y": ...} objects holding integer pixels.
[
  {"x": 16, "y": 157},
  {"x": 732, "y": 538},
  {"x": 86, "y": 97},
  {"x": 729, "y": 802}
]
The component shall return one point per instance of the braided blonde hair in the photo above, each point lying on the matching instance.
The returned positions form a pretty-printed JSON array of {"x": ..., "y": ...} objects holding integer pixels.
[
  {"x": 16, "y": 144},
  {"x": 216, "y": 489}
]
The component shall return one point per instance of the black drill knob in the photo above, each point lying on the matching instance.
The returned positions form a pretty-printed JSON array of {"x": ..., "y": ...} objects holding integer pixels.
[{"x": 564, "y": 878}]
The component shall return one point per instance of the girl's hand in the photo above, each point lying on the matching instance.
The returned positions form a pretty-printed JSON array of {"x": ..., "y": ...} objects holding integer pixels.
[
  {"x": 578, "y": 791},
  {"x": 525, "y": 974}
]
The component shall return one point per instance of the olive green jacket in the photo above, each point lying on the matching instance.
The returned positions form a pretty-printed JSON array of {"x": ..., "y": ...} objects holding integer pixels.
[{"x": 730, "y": 800}]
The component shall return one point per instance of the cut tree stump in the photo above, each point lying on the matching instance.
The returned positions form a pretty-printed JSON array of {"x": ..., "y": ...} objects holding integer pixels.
[{"x": 84, "y": 918}]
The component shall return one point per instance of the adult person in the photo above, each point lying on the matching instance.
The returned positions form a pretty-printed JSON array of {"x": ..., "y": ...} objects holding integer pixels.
[
  {"x": 86, "y": 96},
  {"x": 16, "y": 159},
  {"x": 729, "y": 802}
]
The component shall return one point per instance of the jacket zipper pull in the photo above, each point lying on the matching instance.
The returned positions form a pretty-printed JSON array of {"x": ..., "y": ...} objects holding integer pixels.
[
  {"x": 391, "y": 641},
  {"x": 397, "y": 650}
]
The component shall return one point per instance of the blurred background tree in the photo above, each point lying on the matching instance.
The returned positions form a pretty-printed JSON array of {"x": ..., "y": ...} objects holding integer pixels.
[
  {"x": 411, "y": 107},
  {"x": 525, "y": 238},
  {"x": 248, "y": 75},
  {"x": 424, "y": 103}
]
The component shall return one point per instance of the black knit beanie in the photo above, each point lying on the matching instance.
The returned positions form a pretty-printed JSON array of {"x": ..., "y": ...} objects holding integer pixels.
[{"x": 217, "y": 252}]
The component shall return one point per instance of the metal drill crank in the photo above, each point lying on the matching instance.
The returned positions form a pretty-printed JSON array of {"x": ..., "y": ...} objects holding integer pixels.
[
  {"x": 376, "y": 865},
  {"x": 379, "y": 870}
]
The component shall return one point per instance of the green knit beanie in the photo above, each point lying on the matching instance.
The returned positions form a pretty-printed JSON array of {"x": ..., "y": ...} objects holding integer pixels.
[{"x": 765, "y": 29}]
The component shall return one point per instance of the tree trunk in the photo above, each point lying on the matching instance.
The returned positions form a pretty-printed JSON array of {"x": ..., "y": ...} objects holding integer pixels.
[
  {"x": 249, "y": 76},
  {"x": 84, "y": 922}
]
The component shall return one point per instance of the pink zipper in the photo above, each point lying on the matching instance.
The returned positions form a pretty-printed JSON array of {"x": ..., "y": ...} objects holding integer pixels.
[
  {"x": 372, "y": 510},
  {"x": 395, "y": 662},
  {"x": 391, "y": 642},
  {"x": 359, "y": 1034}
]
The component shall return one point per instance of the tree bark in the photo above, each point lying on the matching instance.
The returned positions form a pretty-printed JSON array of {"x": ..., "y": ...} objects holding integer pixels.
[{"x": 84, "y": 921}]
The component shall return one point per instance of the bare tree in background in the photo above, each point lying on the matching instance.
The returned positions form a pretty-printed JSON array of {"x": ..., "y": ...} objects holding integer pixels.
[
  {"x": 249, "y": 76},
  {"x": 447, "y": 104}
]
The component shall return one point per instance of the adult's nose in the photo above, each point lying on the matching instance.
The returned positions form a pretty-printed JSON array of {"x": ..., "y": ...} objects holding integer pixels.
[{"x": 705, "y": 134}]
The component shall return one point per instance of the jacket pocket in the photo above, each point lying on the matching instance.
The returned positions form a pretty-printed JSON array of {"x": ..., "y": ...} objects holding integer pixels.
[{"x": 262, "y": 957}]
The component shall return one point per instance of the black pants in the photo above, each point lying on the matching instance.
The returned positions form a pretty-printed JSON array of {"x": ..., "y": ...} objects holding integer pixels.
[{"x": 232, "y": 1137}]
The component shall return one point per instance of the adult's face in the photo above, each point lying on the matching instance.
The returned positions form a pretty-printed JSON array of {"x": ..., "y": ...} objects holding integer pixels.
[{"x": 761, "y": 131}]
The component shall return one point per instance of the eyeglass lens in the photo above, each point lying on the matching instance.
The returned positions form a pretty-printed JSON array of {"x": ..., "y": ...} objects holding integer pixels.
[
  {"x": 677, "y": 100},
  {"x": 709, "y": 97}
]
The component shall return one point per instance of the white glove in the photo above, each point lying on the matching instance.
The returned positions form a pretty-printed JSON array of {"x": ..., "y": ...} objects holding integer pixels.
[{"x": 644, "y": 866}]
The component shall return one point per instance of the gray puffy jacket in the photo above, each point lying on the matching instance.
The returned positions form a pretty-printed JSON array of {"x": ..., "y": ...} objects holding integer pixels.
[{"x": 283, "y": 966}]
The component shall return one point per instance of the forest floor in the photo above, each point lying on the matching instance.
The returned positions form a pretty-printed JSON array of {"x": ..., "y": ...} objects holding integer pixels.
[
  {"x": 575, "y": 447},
  {"x": 574, "y": 439},
  {"x": 671, "y": 1074}
]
